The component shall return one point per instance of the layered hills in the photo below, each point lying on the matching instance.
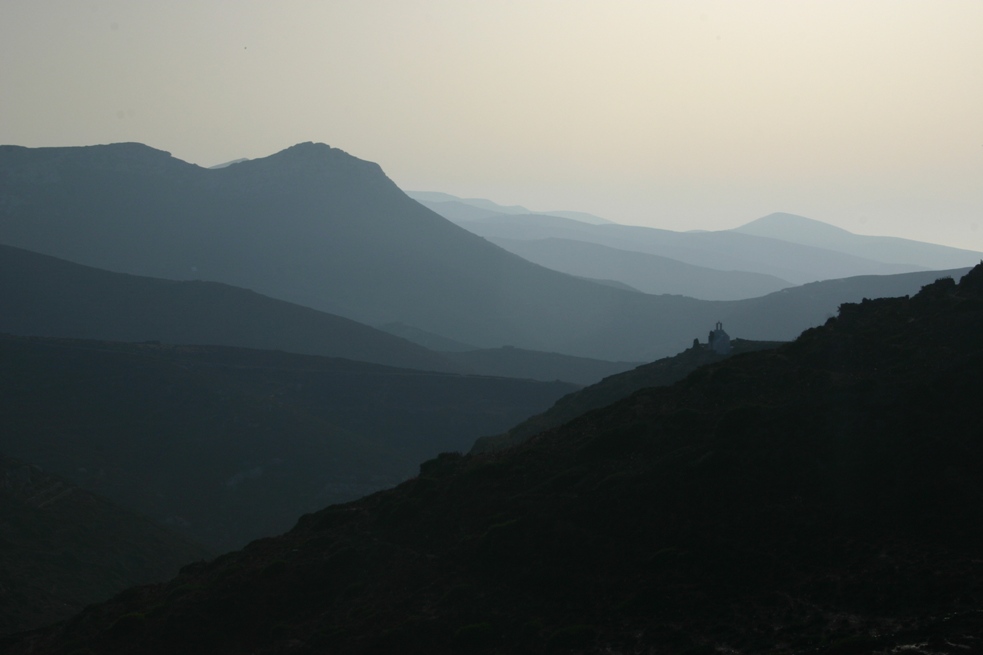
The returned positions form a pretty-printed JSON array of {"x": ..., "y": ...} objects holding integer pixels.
[
  {"x": 806, "y": 231},
  {"x": 46, "y": 296},
  {"x": 724, "y": 250},
  {"x": 819, "y": 497},
  {"x": 643, "y": 271},
  {"x": 317, "y": 227},
  {"x": 227, "y": 445}
]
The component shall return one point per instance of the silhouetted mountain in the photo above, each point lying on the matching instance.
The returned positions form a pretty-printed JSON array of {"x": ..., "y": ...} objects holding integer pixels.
[
  {"x": 661, "y": 373},
  {"x": 228, "y": 445},
  {"x": 821, "y": 497},
  {"x": 798, "y": 229},
  {"x": 723, "y": 250},
  {"x": 642, "y": 271},
  {"x": 314, "y": 226},
  {"x": 45, "y": 296},
  {"x": 62, "y": 548}
]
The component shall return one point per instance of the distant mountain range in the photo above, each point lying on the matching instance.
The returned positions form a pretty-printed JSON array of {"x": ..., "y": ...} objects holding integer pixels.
[
  {"x": 464, "y": 209},
  {"x": 317, "y": 227},
  {"x": 889, "y": 250},
  {"x": 720, "y": 265},
  {"x": 735, "y": 250},
  {"x": 820, "y": 497},
  {"x": 642, "y": 271}
]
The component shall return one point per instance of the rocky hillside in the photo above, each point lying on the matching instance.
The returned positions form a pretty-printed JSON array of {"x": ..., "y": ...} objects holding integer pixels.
[
  {"x": 822, "y": 497},
  {"x": 62, "y": 548}
]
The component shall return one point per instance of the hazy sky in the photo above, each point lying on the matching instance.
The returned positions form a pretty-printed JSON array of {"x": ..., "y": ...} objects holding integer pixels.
[{"x": 684, "y": 115}]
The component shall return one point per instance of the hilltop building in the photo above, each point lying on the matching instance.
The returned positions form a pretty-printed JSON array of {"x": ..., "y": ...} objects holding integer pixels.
[{"x": 719, "y": 340}]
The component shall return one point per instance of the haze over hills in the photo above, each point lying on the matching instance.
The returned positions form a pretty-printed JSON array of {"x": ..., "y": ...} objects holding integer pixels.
[
  {"x": 647, "y": 273},
  {"x": 820, "y": 497},
  {"x": 806, "y": 231},
  {"x": 722, "y": 251},
  {"x": 505, "y": 225},
  {"x": 315, "y": 226},
  {"x": 45, "y": 296},
  {"x": 454, "y": 208}
]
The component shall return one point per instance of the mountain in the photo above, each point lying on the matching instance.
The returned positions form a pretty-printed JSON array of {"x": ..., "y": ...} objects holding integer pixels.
[
  {"x": 725, "y": 250},
  {"x": 821, "y": 497},
  {"x": 45, "y": 296},
  {"x": 806, "y": 231},
  {"x": 317, "y": 227},
  {"x": 426, "y": 197},
  {"x": 611, "y": 389},
  {"x": 468, "y": 209},
  {"x": 62, "y": 548},
  {"x": 642, "y": 271},
  {"x": 227, "y": 445}
]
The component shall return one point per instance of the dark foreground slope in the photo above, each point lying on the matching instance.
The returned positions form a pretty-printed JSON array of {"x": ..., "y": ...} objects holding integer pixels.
[
  {"x": 62, "y": 548},
  {"x": 228, "y": 444},
  {"x": 822, "y": 497},
  {"x": 660, "y": 373}
]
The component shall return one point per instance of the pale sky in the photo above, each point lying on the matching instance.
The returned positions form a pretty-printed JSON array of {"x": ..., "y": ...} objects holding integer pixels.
[{"x": 866, "y": 114}]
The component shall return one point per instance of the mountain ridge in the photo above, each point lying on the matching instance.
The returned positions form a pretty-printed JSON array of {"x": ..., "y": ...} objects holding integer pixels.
[
  {"x": 819, "y": 497},
  {"x": 338, "y": 236}
]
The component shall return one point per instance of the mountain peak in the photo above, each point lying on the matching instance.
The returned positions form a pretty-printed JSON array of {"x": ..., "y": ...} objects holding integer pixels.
[
  {"x": 313, "y": 158},
  {"x": 308, "y": 149},
  {"x": 782, "y": 225}
]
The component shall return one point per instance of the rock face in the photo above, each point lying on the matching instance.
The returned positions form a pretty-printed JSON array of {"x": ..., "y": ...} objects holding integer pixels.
[{"x": 820, "y": 497}]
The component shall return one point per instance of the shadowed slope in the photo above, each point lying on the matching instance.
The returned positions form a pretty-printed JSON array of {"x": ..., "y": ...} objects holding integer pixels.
[
  {"x": 821, "y": 497},
  {"x": 227, "y": 444},
  {"x": 62, "y": 548},
  {"x": 661, "y": 373}
]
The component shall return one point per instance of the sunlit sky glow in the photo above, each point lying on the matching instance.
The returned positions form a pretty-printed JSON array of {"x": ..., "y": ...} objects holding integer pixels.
[{"x": 683, "y": 115}]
